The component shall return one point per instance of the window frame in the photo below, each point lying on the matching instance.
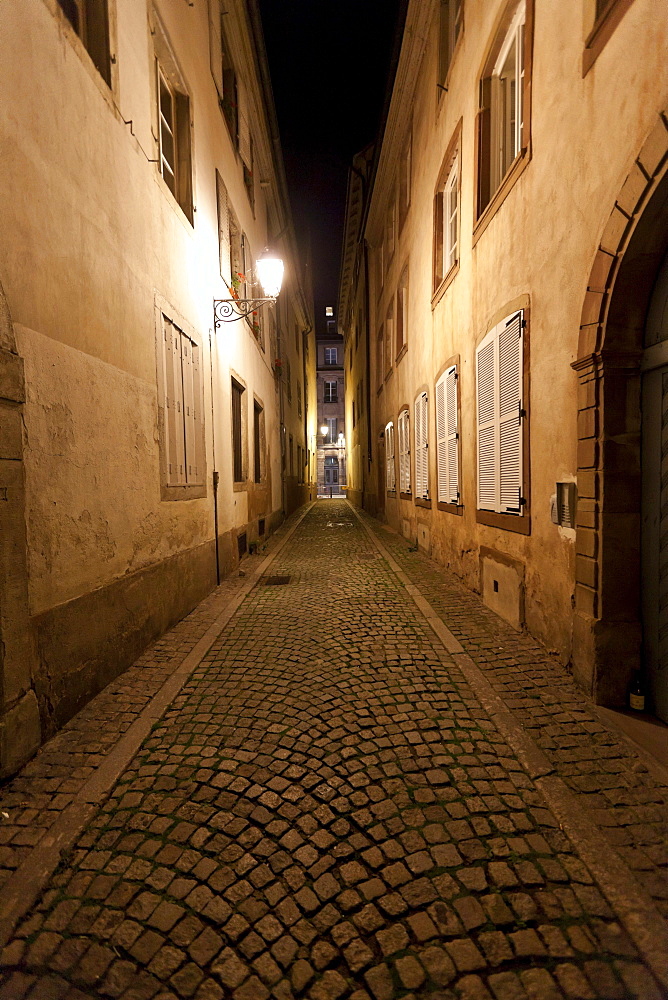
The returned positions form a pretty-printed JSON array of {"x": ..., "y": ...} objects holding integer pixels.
[
  {"x": 329, "y": 351},
  {"x": 401, "y": 324},
  {"x": 404, "y": 436},
  {"x": 450, "y": 31},
  {"x": 259, "y": 442},
  {"x": 603, "y": 27},
  {"x": 488, "y": 198},
  {"x": 93, "y": 29},
  {"x": 327, "y": 391},
  {"x": 238, "y": 434},
  {"x": 332, "y": 422},
  {"x": 421, "y": 497},
  {"x": 166, "y": 71},
  {"x": 174, "y": 422},
  {"x": 520, "y": 522},
  {"x": 449, "y": 175},
  {"x": 390, "y": 467}
]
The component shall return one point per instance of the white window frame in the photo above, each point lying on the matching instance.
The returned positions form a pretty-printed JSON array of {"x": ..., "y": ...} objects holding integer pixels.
[
  {"x": 450, "y": 29},
  {"x": 331, "y": 395},
  {"x": 390, "y": 472},
  {"x": 404, "y": 427},
  {"x": 332, "y": 430},
  {"x": 500, "y": 417},
  {"x": 168, "y": 170},
  {"x": 507, "y": 111},
  {"x": 421, "y": 433},
  {"x": 447, "y": 436},
  {"x": 331, "y": 355}
]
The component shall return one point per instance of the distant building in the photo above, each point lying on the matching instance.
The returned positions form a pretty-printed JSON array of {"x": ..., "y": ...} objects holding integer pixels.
[
  {"x": 331, "y": 409},
  {"x": 143, "y": 448},
  {"x": 504, "y": 306}
]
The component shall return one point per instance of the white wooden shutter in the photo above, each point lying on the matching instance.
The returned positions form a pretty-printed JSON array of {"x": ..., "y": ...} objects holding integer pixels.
[
  {"x": 421, "y": 461},
  {"x": 390, "y": 483},
  {"x": 175, "y": 442},
  {"x": 244, "y": 126},
  {"x": 404, "y": 452},
  {"x": 223, "y": 228},
  {"x": 190, "y": 463},
  {"x": 499, "y": 367},
  {"x": 447, "y": 436},
  {"x": 216, "y": 46},
  {"x": 510, "y": 415}
]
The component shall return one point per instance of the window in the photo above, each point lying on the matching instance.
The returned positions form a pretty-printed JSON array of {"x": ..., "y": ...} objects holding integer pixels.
[
  {"x": 405, "y": 180},
  {"x": 90, "y": 20},
  {"x": 402, "y": 311},
  {"x": 332, "y": 430},
  {"x": 292, "y": 456},
  {"x": 331, "y": 469},
  {"x": 331, "y": 356},
  {"x": 502, "y": 129},
  {"x": 182, "y": 430},
  {"x": 421, "y": 457},
  {"x": 288, "y": 379},
  {"x": 404, "y": 452},
  {"x": 604, "y": 16},
  {"x": 447, "y": 436},
  {"x": 450, "y": 27},
  {"x": 331, "y": 392},
  {"x": 380, "y": 269},
  {"x": 446, "y": 221},
  {"x": 389, "y": 234},
  {"x": 222, "y": 69},
  {"x": 245, "y": 141},
  {"x": 224, "y": 255},
  {"x": 237, "y": 432},
  {"x": 389, "y": 337},
  {"x": 258, "y": 436},
  {"x": 174, "y": 160},
  {"x": 380, "y": 355},
  {"x": 499, "y": 391},
  {"x": 390, "y": 481},
  {"x": 299, "y": 398}
]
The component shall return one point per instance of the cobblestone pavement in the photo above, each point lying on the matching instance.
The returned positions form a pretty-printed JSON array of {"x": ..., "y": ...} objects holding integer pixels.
[{"x": 326, "y": 810}]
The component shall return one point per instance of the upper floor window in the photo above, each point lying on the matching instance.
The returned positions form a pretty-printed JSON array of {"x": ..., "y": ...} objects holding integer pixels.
[
  {"x": 332, "y": 430},
  {"x": 405, "y": 165},
  {"x": 503, "y": 127},
  {"x": 450, "y": 27},
  {"x": 389, "y": 336},
  {"x": 331, "y": 355},
  {"x": 173, "y": 105},
  {"x": 90, "y": 20},
  {"x": 331, "y": 392},
  {"x": 446, "y": 220},
  {"x": 222, "y": 69},
  {"x": 447, "y": 436},
  {"x": 402, "y": 311}
]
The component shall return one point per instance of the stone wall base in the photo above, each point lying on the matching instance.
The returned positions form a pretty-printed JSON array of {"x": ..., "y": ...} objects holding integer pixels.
[
  {"x": 20, "y": 734},
  {"x": 605, "y": 655}
]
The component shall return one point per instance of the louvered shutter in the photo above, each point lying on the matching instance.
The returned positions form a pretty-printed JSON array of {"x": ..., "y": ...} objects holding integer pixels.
[
  {"x": 389, "y": 457},
  {"x": 190, "y": 463},
  {"x": 223, "y": 228},
  {"x": 510, "y": 420},
  {"x": 174, "y": 405},
  {"x": 486, "y": 386},
  {"x": 442, "y": 489},
  {"x": 421, "y": 462},
  {"x": 499, "y": 368},
  {"x": 404, "y": 453},
  {"x": 244, "y": 127},
  {"x": 447, "y": 437},
  {"x": 216, "y": 46}
]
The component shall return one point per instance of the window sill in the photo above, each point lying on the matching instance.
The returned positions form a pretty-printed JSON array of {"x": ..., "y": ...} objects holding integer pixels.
[
  {"x": 241, "y": 486},
  {"x": 388, "y": 375},
  {"x": 405, "y": 496},
  {"x": 392, "y": 494},
  {"x": 518, "y": 167},
  {"x": 401, "y": 354},
  {"x": 182, "y": 492},
  {"x": 602, "y": 32},
  {"x": 379, "y": 389},
  {"x": 422, "y": 502},
  {"x": 451, "y": 508},
  {"x": 519, "y": 523},
  {"x": 445, "y": 284}
]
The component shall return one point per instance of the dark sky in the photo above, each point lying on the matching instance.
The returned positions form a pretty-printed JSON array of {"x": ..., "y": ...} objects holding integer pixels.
[{"x": 329, "y": 62}]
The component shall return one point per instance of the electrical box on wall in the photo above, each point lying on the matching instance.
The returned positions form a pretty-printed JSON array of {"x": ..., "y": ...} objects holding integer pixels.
[{"x": 563, "y": 504}]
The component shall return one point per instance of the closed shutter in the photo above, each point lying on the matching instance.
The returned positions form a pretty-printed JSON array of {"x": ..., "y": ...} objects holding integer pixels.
[
  {"x": 174, "y": 405},
  {"x": 447, "y": 436},
  {"x": 510, "y": 420},
  {"x": 216, "y": 46},
  {"x": 499, "y": 366},
  {"x": 197, "y": 458},
  {"x": 188, "y": 409},
  {"x": 223, "y": 228},
  {"x": 421, "y": 461},
  {"x": 404, "y": 452},
  {"x": 244, "y": 127},
  {"x": 389, "y": 457}
]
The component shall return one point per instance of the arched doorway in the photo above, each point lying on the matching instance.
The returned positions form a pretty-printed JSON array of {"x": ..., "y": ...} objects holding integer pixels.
[{"x": 608, "y": 643}]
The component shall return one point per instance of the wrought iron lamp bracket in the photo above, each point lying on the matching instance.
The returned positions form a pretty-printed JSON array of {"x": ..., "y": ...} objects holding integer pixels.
[{"x": 230, "y": 310}]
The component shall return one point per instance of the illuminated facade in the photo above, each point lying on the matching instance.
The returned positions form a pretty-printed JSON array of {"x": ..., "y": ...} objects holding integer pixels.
[
  {"x": 144, "y": 449},
  {"x": 503, "y": 303},
  {"x": 331, "y": 410}
]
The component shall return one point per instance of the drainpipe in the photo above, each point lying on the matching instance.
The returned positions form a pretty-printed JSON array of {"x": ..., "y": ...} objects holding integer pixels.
[{"x": 215, "y": 471}]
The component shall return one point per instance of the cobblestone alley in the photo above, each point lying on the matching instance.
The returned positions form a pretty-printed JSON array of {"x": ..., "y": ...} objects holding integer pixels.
[{"x": 354, "y": 783}]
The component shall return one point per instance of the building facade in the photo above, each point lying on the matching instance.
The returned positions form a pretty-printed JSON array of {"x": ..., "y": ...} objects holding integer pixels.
[
  {"x": 145, "y": 447},
  {"x": 504, "y": 293},
  {"x": 331, "y": 410}
]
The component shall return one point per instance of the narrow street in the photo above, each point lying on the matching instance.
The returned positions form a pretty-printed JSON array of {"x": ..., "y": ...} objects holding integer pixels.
[{"x": 341, "y": 776}]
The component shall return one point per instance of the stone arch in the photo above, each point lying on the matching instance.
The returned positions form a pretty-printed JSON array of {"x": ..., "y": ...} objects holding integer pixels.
[
  {"x": 607, "y": 622},
  {"x": 20, "y": 731}
]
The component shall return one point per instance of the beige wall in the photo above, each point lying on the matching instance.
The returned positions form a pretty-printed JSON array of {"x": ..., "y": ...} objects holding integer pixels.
[
  {"x": 95, "y": 244},
  {"x": 540, "y": 244}
]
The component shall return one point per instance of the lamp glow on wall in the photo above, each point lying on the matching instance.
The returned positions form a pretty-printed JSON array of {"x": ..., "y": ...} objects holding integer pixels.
[{"x": 269, "y": 270}]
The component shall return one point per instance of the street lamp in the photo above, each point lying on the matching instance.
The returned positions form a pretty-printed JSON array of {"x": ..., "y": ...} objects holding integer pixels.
[
  {"x": 269, "y": 269},
  {"x": 324, "y": 429}
]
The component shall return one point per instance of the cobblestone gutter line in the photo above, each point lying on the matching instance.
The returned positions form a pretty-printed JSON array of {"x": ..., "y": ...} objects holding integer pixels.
[
  {"x": 542, "y": 747},
  {"x": 56, "y": 794},
  {"x": 326, "y": 811}
]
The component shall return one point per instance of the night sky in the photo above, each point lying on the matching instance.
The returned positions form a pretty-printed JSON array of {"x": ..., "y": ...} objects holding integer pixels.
[{"x": 329, "y": 62}]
